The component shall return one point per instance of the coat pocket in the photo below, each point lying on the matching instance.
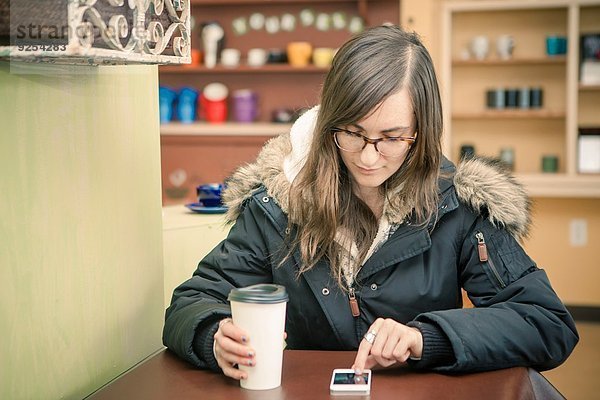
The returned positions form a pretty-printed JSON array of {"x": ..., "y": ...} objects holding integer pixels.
[
  {"x": 512, "y": 256},
  {"x": 492, "y": 266}
]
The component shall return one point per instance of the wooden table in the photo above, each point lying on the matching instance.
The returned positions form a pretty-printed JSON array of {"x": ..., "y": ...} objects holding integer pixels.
[{"x": 306, "y": 375}]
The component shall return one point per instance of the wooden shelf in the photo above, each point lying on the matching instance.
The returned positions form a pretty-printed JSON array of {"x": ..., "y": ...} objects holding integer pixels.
[
  {"x": 561, "y": 185},
  {"x": 589, "y": 88},
  {"x": 510, "y": 114},
  {"x": 259, "y": 2},
  {"x": 243, "y": 69},
  {"x": 224, "y": 129},
  {"x": 558, "y": 60},
  {"x": 362, "y": 5}
]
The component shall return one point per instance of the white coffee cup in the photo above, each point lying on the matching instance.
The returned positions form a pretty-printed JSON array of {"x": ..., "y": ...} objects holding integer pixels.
[
  {"x": 480, "y": 46},
  {"x": 504, "y": 46},
  {"x": 260, "y": 311},
  {"x": 257, "y": 57},
  {"x": 230, "y": 57}
]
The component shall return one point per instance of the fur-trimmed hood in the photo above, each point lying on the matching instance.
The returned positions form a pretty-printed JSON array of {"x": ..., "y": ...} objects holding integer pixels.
[{"x": 480, "y": 183}]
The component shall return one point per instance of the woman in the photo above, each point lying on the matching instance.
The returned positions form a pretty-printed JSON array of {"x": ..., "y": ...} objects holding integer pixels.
[{"x": 373, "y": 233}]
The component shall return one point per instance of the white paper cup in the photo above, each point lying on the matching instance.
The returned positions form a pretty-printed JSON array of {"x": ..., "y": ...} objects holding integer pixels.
[{"x": 260, "y": 311}]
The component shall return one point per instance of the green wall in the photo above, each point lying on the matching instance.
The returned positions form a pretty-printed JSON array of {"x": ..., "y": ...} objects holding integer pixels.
[{"x": 81, "y": 275}]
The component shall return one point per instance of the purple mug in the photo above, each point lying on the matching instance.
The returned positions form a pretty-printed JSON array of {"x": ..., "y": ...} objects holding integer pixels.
[{"x": 245, "y": 105}]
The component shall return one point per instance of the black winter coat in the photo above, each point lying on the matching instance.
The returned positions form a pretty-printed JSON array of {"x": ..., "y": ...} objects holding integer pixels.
[{"x": 417, "y": 275}]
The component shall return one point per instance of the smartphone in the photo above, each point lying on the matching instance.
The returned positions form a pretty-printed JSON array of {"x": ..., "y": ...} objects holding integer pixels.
[{"x": 343, "y": 381}]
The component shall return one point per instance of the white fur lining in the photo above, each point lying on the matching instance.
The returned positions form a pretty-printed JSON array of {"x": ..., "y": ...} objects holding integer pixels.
[{"x": 301, "y": 136}]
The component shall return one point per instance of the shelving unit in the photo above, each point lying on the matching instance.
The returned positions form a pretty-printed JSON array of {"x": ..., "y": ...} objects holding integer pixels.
[
  {"x": 243, "y": 69},
  {"x": 532, "y": 133},
  {"x": 560, "y": 185},
  {"x": 226, "y": 129},
  {"x": 589, "y": 88},
  {"x": 510, "y": 114},
  {"x": 513, "y": 61},
  {"x": 202, "y": 152},
  {"x": 277, "y": 85}
]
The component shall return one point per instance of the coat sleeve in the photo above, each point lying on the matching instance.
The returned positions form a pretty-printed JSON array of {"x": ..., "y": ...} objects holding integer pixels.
[
  {"x": 239, "y": 260},
  {"x": 518, "y": 319}
]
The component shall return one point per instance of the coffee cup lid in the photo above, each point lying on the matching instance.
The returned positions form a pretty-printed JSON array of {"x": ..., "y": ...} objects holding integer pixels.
[{"x": 263, "y": 293}]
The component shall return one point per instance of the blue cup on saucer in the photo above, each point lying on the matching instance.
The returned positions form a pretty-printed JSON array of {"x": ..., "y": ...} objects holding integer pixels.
[{"x": 209, "y": 195}]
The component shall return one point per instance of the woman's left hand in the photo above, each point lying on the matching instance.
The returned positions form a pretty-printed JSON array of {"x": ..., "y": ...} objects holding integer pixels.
[{"x": 386, "y": 343}]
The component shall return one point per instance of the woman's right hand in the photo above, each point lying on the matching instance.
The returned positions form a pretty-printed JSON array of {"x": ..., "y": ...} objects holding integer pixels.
[{"x": 231, "y": 349}]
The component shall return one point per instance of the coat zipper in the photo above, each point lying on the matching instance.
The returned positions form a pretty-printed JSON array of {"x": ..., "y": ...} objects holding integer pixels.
[
  {"x": 355, "y": 312},
  {"x": 353, "y": 302},
  {"x": 483, "y": 257}
]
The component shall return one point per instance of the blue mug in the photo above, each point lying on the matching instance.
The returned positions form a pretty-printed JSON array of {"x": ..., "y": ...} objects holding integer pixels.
[
  {"x": 556, "y": 45},
  {"x": 209, "y": 195},
  {"x": 187, "y": 104},
  {"x": 166, "y": 97}
]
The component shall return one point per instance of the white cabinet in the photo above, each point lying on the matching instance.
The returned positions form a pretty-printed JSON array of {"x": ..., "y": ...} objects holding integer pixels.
[{"x": 187, "y": 238}]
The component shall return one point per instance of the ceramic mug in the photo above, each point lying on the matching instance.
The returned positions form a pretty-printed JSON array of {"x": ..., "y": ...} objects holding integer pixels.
[
  {"x": 245, "y": 105},
  {"x": 257, "y": 57},
  {"x": 505, "y": 45},
  {"x": 536, "y": 97},
  {"x": 480, "y": 46},
  {"x": 166, "y": 97},
  {"x": 322, "y": 56},
  {"x": 556, "y": 45},
  {"x": 496, "y": 98},
  {"x": 550, "y": 163},
  {"x": 186, "y": 106},
  {"x": 299, "y": 53},
  {"x": 467, "y": 151},
  {"x": 511, "y": 98},
  {"x": 214, "y": 102},
  {"x": 210, "y": 194},
  {"x": 230, "y": 57},
  {"x": 276, "y": 56},
  {"x": 524, "y": 101},
  {"x": 196, "y": 58}
]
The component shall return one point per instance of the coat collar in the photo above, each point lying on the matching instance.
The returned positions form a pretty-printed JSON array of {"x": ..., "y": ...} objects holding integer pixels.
[{"x": 480, "y": 183}]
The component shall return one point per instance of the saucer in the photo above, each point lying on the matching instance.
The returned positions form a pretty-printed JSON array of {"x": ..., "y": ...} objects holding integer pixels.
[{"x": 199, "y": 208}]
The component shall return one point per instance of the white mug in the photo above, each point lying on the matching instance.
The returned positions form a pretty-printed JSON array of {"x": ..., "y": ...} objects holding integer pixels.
[
  {"x": 480, "y": 46},
  {"x": 504, "y": 46},
  {"x": 230, "y": 57},
  {"x": 257, "y": 57}
]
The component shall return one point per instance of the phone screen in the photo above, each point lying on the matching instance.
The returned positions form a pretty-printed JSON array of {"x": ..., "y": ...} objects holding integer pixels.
[{"x": 348, "y": 378}]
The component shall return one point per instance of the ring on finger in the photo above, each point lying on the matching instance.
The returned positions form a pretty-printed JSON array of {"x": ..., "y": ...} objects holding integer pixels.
[
  {"x": 370, "y": 336},
  {"x": 224, "y": 321}
]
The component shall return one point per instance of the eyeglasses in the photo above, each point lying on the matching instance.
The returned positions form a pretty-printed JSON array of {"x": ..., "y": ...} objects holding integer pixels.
[{"x": 354, "y": 142}]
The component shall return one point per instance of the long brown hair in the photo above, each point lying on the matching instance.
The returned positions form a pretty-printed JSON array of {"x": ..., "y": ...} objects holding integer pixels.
[{"x": 366, "y": 70}]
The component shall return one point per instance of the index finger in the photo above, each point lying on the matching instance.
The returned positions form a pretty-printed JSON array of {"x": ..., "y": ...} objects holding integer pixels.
[{"x": 364, "y": 350}]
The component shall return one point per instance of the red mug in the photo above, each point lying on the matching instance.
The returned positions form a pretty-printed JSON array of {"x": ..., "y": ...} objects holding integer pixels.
[
  {"x": 214, "y": 111},
  {"x": 214, "y": 102}
]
